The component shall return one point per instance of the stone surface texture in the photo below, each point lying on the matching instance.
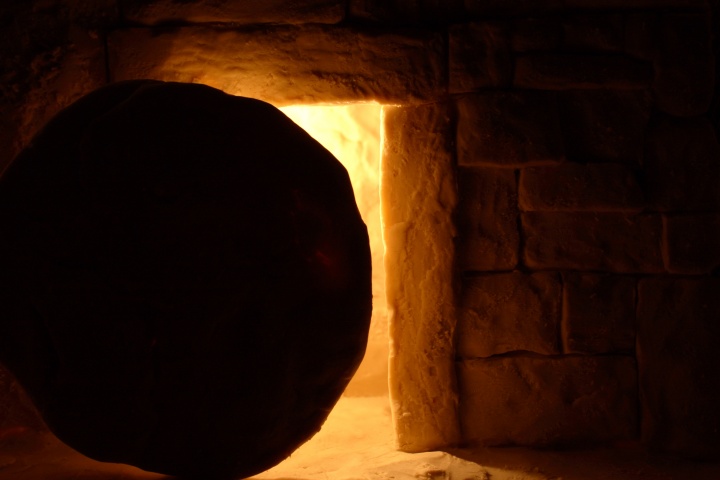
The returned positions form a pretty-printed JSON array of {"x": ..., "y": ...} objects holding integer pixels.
[
  {"x": 548, "y": 401},
  {"x": 553, "y": 71},
  {"x": 611, "y": 242},
  {"x": 678, "y": 364},
  {"x": 598, "y": 313},
  {"x": 509, "y": 129},
  {"x": 577, "y": 140},
  {"x": 406, "y": 10},
  {"x": 419, "y": 198},
  {"x": 52, "y": 55},
  {"x": 683, "y": 165},
  {"x": 487, "y": 219},
  {"x": 187, "y": 278},
  {"x": 576, "y": 187},
  {"x": 287, "y": 64},
  {"x": 509, "y": 312},
  {"x": 479, "y": 57},
  {"x": 605, "y": 125},
  {"x": 691, "y": 243}
]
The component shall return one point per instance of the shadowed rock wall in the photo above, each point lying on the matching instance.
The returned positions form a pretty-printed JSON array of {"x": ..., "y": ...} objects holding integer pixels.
[{"x": 582, "y": 136}]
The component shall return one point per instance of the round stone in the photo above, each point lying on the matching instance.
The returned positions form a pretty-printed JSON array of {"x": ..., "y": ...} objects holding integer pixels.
[{"x": 186, "y": 279}]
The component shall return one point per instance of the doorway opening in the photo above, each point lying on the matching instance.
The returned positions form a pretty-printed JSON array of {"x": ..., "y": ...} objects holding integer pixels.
[{"x": 353, "y": 134}]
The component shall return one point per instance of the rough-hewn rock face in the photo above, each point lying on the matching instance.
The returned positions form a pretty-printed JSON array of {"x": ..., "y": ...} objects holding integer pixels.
[
  {"x": 575, "y": 187},
  {"x": 185, "y": 279}
]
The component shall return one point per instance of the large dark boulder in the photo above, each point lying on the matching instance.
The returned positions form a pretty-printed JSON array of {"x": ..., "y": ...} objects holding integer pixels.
[{"x": 184, "y": 279}]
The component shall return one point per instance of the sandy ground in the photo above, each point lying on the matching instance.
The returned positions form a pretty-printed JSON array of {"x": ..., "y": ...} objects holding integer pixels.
[{"x": 356, "y": 443}]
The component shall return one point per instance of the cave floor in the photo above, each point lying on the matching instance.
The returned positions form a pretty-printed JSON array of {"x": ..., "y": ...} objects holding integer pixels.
[{"x": 356, "y": 444}]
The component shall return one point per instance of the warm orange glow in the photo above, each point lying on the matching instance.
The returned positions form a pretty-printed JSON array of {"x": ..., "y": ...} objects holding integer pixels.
[{"x": 352, "y": 134}]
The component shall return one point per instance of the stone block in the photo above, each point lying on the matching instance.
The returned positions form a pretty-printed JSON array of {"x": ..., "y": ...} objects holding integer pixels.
[
  {"x": 596, "y": 187},
  {"x": 605, "y": 125},
  {"x": 691, "y": 243},
  {"x": 487, "y": 219},
  {"x": 509, "y": 312},
  {"x": 540, "y": 402},
  {"x": 598, "y": 313},
  {"x": 406, "y": 11},
  {"x": 479, "y": 56},
  {"x": 684, "y": 67},
  {"x": 682, "y": 167},
  {"x": 677, "y": 342},
  {"x": 595, "y": 32},
  {"x": 609, "y": 242},
  {"x": 419, "y": 197},
  {"x": 564, "y": 71},
  {"x": 227, "y": 11},
  {"x": 287, "y": 65},
  {"x": 509, "y": 129}
]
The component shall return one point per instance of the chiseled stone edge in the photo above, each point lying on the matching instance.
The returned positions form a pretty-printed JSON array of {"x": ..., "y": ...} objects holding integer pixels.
[
  {"x": 286, "y": 65},
  {"x": 419, "y": 196}
]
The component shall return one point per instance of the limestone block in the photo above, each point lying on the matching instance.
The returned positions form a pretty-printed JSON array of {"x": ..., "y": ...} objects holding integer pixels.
[
  {"x": 691, "y": 243},
  {"x": 677, "y": 342},
  {"x": 682, "y": 166},
  {"x": 487, "y": 219},
  {"x": 598, "y": 313},
  {"x": 612, "y": 242},
  {"x": 509, "y": 312},
  {"x": 605, "y": 125},
  {"x": 509, "y": 129},
  {"x": 406, "y": 10},
  {"x": 685, "y": 67},
  {"x": 418, "y": 197},
  {"x": 287, "y": 64},
  {"x": 479, "y": 56},
  {"x": 598, "y": 187},
  {"x": 537, "y": 401},
  {"x": 227, "y": 11},
  {"x": 562, "y": 71}
]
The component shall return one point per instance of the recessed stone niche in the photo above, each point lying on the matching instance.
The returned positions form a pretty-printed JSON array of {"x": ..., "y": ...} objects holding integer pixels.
[{"x": 549, "y": 189}]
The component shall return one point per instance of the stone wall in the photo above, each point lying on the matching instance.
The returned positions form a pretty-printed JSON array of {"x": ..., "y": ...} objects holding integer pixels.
[{"x": 578, "y": 138}]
